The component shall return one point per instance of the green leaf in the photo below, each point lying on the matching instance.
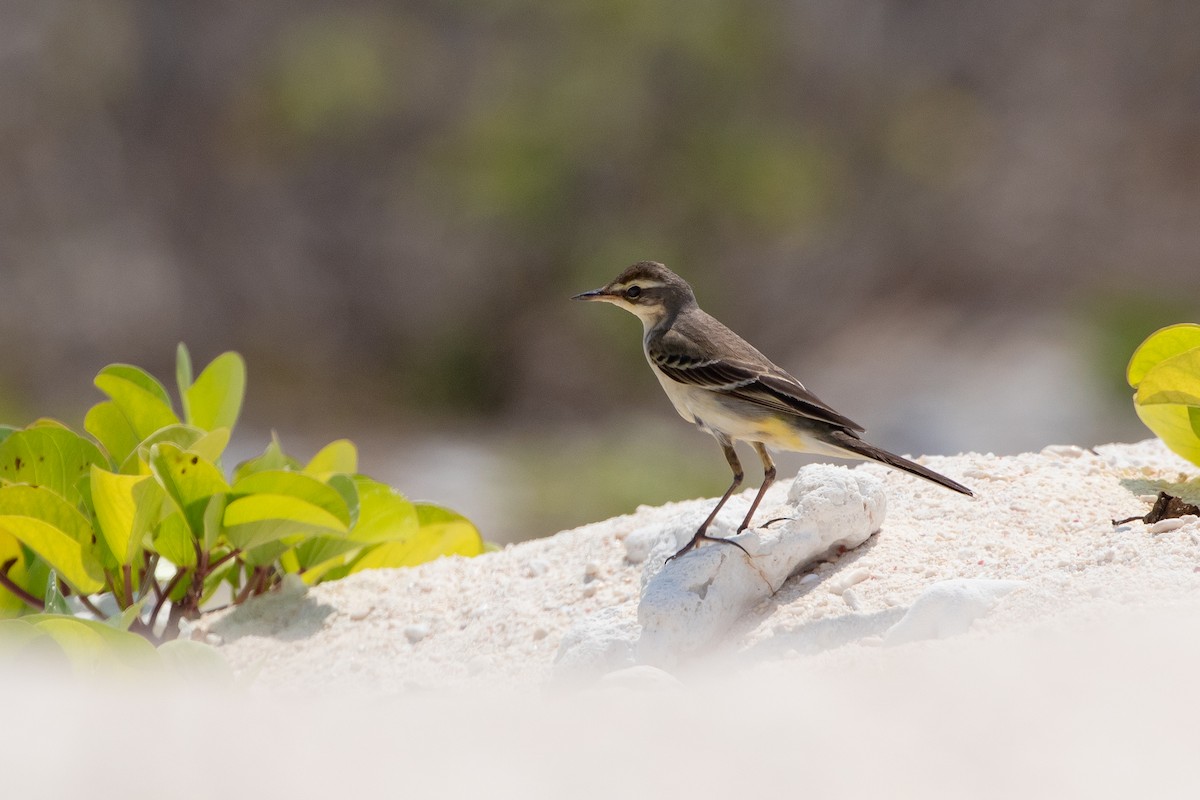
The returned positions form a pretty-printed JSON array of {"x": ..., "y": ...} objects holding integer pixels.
[
  {"x": 298, "y": 485},
  {"x": 214, "y": 517},
  {"x": 1173, "y": 380},
  {"x": 124, "y": 620},
  {"x": 1160, "y": 346},
  {"x": 383, "y": 513},
  {"x": 108, "y": 425},
  {"x": 54, "y": 602},
  {"x": 11, "y": 550},
  {"x": 336, "y": 457},
  {"x": 272, "y": 458},
  {"x": 52, "y": 457},
  {"x": 51, "y": 527},
  {"x": 91, "y": 645},
  {"x": 173, "y": 541},
  {"x": 264, "y": 555},
  {"x": 258, "y": 519},
  {"x": 127, "y": 507},
  {"x": 1168, "y": 391},
  {"x": 443, "y": 533},
  {"x": 1175, "y": 425},
  {"x": 140, "y": 398},
  {"x": 16, "y": 634},
  {"x": 189, "y": 480},
  {"x": 215, "y": 399},
  {"x": 345, "y": 486},
  {"x": 208, "y": 444},
  {"x": 183, "y": 374}
]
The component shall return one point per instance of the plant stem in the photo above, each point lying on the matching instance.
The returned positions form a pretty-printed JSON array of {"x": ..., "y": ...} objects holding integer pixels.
[
  {"x": 165, "y": 594},
  {"x": 127, "y": 575},
  {"x": 83, "y": 598},
  {"x": 231, "y": 554},
  {"x": 251, "y": 582},
  {"x": 7, "y": 583}
]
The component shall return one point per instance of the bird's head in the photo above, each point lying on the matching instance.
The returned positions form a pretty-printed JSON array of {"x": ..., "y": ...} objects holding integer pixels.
[{"x": 647, "y": 290}]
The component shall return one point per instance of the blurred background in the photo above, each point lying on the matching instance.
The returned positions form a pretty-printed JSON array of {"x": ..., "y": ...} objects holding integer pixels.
[{"x": 952, "y": 220}]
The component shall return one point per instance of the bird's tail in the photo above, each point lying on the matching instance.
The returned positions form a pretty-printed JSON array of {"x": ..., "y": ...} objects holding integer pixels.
[{"x": 858, "y": 447}]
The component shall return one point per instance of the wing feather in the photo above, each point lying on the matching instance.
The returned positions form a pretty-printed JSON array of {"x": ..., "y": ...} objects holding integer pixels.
[{"x": 772, "y": 388}]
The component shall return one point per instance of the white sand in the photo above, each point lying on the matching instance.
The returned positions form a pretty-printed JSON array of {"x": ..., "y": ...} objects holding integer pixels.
[
  {"x": 498, "y": 621},
  {"x": 1014, "y": 645}
]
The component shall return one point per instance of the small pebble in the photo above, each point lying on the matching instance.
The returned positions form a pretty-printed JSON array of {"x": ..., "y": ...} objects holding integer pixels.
[
  {"x": 1164, "y": 525},
  {"x": 590, "y": 571},
  {"x": 589, "y": 590},
  {"x": 415, "y": 633},
  {"x": 360, "y": 613},
  {"x": 841, "y": 583},
  {"x": 539, "y": 634},
  {"x": 850, "y": 598},
  {"x": 213, "y": 639},
  {"x": 536, "y": 567}
]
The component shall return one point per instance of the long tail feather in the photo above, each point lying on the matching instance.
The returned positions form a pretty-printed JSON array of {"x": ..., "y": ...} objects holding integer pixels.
[{"x": 861, "y": 449}]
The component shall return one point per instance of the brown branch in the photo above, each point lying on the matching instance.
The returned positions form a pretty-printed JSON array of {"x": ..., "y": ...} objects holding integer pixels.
[
  {"x": 83, "y": 598},
  {"x": 127, "y": 576},
  {"x": 251, "y": 582},
  {"x": 165, "y": 594},
  {"x": 8, "y": 583},
  {"x": 232, "y": 553}
]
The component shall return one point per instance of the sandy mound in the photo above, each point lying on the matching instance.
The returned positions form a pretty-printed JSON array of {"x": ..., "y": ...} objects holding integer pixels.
[{"x": 1035, "y": 550}]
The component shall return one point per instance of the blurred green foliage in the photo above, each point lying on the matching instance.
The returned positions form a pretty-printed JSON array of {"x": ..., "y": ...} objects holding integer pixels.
[{"x": 144, "y": 517}]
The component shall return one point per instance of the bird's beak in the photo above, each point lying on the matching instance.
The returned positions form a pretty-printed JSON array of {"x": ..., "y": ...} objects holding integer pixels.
[{"x": 595, "y": 294}]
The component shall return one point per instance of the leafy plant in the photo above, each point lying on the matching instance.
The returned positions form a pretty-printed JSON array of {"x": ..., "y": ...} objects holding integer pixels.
[
  {"x": 141, "y": 515},
  {"x": 1165, "y": 370}
]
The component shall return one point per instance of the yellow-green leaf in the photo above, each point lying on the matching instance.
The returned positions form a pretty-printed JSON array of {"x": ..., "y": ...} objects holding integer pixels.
[
  {"x": 215, "y": 399},
  {"x": 294, "y": 484},
  {"x": 207, "y": 444},
  {"x": 1160, "y": 346},
  {"x": 52, "y": 528},
  {"x": 52, "y": 457},
  {"x": 11, "y": 550},
  {"x": 1176, "y": 426},
  {"x": 258, "y": 519},
  {"x": 383, "y": 513},
  {"x": 442, "y": 533},
  {"x": 336, "y": 457},
  {"x": 139, "y": 397},
  {"x": 91, "y": 645},
  {"x": 1175, "y": 380},
  {"x": 127, "y": 506},
  {"x": 106, "y": 422},
  {"x": 173, "y": 541},
  {"x": 189, "y": 480}
]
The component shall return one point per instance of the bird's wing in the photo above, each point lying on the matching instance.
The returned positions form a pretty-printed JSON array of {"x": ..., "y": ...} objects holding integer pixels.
[{"x": 770, "y": 387}]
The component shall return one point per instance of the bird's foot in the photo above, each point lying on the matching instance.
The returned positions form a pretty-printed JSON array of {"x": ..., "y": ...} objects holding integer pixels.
[{"x": 702, "y": 537}]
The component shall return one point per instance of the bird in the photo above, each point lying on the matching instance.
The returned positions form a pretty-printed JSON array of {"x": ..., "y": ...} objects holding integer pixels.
[{"x": 719, "y": 382}]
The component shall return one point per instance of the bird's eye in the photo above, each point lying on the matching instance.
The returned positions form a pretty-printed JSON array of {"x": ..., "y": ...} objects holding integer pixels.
[{"x": 633, "y": 292}]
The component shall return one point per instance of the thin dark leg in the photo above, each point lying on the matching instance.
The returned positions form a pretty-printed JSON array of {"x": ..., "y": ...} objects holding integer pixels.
[
  {"x": 768, "y": 479},
  {"x": 738, "y": 475}
]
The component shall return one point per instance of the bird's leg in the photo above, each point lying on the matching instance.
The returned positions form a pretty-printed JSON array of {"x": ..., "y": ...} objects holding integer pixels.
[
  {"x": 768, "y": 479},
  {"x": 738, "y": 475}
]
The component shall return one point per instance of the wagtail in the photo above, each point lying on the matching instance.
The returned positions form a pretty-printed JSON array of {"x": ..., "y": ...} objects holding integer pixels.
[{"x": 717, "y": 381}]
